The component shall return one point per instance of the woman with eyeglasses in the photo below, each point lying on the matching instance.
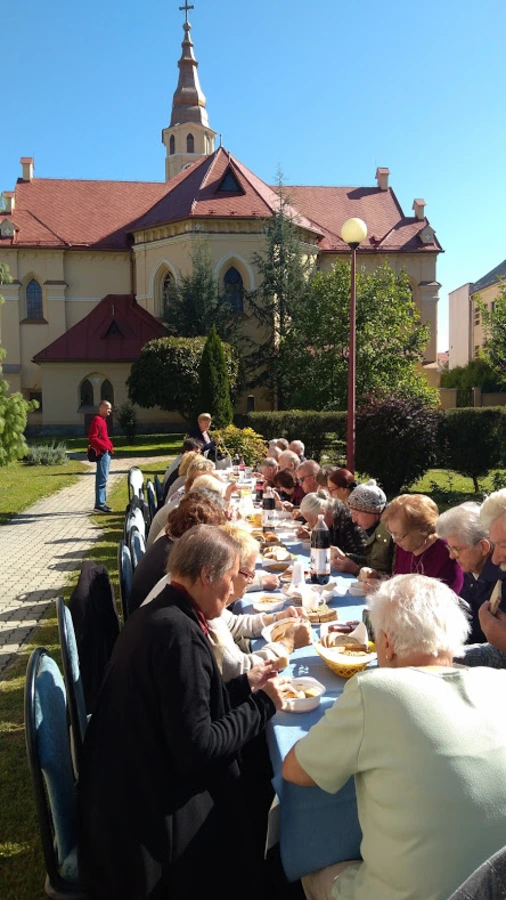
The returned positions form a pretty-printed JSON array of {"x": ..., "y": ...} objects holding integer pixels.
[
  {"x": 229, "y": 633},
  {"x": 411, "y": 520},
  {"x": 340, "y": 483}
]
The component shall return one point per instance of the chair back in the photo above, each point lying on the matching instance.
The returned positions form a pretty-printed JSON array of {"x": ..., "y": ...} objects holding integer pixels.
[
  {"x": 135, "y": 483},
  {"x": 137, "y": 547},
  {"x": 50, "y": 764},
  {"x": 158, "y": 492},
  {"x": 151, "y": 498},
  {"x": 135, "y": 519},
  {"x": 72, "y": 678},
  {"x": 488, "y": 882},
  {"x": 125, "y": 570}
]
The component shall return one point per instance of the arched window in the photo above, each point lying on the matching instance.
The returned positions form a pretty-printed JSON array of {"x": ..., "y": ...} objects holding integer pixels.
[
  {"x": 172, "y": 145},
  {"x": 86, "y": 393},
  {"x": 234, "y": 289},
  {"x": 107, "y": 392},
  {"x": 167, "y": 289},
  {"x": 190, "y": 144},
  {"x": 34, "y": 300}
]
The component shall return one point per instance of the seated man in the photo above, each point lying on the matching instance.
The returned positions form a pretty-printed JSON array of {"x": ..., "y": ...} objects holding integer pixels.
[
  {"x": 289, "y": 460},
  {"x": 201, "y": 432},
  {"x": 268, "y": 468},
  {"x": 427, "y": 747},
  {"x": 298, "y": 448},
  {"x": 367, "y": 502}
]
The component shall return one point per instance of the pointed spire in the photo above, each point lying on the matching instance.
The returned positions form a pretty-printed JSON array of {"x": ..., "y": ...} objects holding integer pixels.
[{"x": 189, "y": 103}]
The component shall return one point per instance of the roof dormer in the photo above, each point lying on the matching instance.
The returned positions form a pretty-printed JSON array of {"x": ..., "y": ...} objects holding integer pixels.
[
  {"x": 427, "y": 235},
  {"x": 7, "y": 228}
]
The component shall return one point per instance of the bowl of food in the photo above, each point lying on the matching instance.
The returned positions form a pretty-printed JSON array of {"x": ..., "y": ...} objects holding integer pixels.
[
  {"x": 346, "y": 654},
  {"x": 268, "y": 603},
  {"x": 301, "y": 694}
]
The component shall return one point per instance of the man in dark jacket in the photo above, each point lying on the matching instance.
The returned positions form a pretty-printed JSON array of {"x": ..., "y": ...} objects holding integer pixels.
[
  {"x": 161, "y": 808},
  {"x": 99, "y": 439}
]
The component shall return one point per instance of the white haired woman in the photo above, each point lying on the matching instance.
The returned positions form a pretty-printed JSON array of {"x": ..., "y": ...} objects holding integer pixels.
[
  {"x": 228, "y": 632},
  {"x": 345, "y": 534},
  {"x": 467, "y": 542},
  {"x": 426, "y": 746}
]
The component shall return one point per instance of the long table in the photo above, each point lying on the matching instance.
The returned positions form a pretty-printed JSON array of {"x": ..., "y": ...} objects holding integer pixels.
[{"x": 315, "y": 828}]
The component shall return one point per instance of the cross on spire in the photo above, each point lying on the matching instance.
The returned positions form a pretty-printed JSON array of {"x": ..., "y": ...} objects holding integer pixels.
[{"x": 187, "y": 6}]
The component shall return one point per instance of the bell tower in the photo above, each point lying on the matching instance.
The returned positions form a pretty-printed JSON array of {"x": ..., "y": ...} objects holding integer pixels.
[{"x": 188, "y": 137}]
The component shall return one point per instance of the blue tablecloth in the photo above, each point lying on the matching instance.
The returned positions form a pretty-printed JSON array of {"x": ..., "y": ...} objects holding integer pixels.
[{"x": 316, "y": 828}]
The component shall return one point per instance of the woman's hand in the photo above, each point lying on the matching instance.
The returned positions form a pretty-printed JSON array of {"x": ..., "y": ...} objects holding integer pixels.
[
  {"x": 273, "y": 690},
  {"x": 287, "y": 506},
  {"x": 270, "y": 582},
  {"x": 303, "y": 532},
  {"x": 260, "y": 675}
]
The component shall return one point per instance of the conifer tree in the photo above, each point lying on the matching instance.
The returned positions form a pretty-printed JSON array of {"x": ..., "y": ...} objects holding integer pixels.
[{"x": 214, "y": 388}]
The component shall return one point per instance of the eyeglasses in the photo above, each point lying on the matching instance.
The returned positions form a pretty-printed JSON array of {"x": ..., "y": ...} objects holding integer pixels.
[
  {"x": 332, "y": 490},
  {"x": 456, "y": 553},
  {"x": 398, "y": 537},
  {"x": 303, "y": 478},
  {"x": 249, "y": 576}
]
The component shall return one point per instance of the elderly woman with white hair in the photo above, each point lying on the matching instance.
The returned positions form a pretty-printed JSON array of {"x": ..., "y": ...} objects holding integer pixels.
[
  {"x": 426, "y": 746},
  {"x": 468, "y": 543},
  {"x": 344, "y": 533}
]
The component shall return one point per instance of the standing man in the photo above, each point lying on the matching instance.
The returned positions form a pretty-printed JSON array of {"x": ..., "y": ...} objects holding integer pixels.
[{"x": 99, "y": 439}]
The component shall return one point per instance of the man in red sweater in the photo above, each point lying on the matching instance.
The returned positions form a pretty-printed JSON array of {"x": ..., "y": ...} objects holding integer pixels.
[{"x": 99, "y": 439}]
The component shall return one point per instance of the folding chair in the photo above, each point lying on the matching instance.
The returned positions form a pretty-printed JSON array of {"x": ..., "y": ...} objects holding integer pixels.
[
  {"x": 151, "y": 498},
  {"x": 73, "y": 681},
  {"x": 135, "y": 519},
  {"x": 125, "y": 577},
  {"x": 137, "y": 546},
  {"x": 50, "y": 764},
  {"x": 135, "y": 483},
  {"x": 158, "y": 492}
]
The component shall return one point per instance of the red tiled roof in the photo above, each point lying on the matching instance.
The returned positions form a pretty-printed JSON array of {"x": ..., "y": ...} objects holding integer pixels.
[
  {"x": 102, "y": 214},
  {"x": 89, "y": 339}
]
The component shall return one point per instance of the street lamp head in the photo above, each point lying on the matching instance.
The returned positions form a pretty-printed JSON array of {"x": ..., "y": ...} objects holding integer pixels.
[{"x": 353, "y": 232}]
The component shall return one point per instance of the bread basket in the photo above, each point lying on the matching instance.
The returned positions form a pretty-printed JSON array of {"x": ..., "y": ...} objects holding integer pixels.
[{"x": 345, "y": 667}]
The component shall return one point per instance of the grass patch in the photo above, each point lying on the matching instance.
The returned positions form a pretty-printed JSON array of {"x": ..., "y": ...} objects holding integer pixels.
[
  {"x": 22, "y": 870},
  {"x": 21, "y": 485},
  {"x": 144, "y": 445}
]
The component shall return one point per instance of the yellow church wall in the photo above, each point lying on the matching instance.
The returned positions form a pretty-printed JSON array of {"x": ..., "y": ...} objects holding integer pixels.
[
  {"x": 487, "y": 296},
  {"x": 90, "y": 276}
]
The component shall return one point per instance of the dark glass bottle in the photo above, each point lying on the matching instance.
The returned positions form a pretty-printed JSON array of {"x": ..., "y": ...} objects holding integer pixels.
[
  {"x": 259, "y": 490},
  {"x": 320, "y": 553},
  {"x": 268, "y": 509}
]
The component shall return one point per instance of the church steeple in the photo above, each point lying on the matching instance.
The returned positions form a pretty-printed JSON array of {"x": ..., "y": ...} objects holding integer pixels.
[{"x": 188, "y": 136}]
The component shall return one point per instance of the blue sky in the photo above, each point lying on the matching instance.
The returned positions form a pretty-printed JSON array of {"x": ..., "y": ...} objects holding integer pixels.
[{"x": 326, "y": 91}]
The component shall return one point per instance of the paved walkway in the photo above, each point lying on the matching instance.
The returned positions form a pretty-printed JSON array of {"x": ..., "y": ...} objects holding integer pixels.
[{"x": 41, "y": 546}]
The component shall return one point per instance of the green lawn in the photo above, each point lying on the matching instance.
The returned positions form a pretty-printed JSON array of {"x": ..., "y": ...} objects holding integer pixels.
[
  {"x": 144, "y": 445},
  {"x": 22, "y": 869},
  {"x": 21, "y": 485}
]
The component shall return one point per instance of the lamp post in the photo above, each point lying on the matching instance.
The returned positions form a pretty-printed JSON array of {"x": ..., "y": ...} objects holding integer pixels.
[{"x": 353, "y": 232}]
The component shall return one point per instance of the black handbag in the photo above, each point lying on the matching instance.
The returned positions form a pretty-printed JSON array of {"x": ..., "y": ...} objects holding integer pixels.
[{"x": 91, "y": 453}]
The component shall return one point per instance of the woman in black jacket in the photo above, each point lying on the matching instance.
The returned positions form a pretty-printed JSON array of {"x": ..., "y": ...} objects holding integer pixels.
[
  {"x": 350, "y": 538},
  {"x": 161, "y": 809}
]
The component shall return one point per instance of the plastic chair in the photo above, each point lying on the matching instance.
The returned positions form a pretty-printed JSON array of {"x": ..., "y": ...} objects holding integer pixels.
[
  {"x": 135, "y": 483},
  {"x": 137, "y": 546},
  {"x": 135, "y": 519},
  {"x": 151, "y": 498},
  {"x": 50, "y": 764},
  {"x": 72, "y": 677},
  {"x": 158, "y": 492},
  {"x": 125, "y": 577}
]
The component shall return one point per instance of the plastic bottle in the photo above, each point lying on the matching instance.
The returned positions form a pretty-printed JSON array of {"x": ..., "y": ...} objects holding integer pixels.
[
  {"x": 320, "y": 553},
  {"x": 268, "y": 509},
  {"x": 259, "y": 490}
]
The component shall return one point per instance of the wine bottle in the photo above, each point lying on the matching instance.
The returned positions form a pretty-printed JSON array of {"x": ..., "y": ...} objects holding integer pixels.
[
  {"x": 320, "y": 553},
  {"x": 269, "y": 510}
]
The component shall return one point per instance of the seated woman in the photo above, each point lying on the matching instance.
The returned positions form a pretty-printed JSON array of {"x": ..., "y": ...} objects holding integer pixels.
[
  {"x": 160, "y": 791},
  {"x": 340, "y": 483},
  {"x": 468, "y": 543},
  {"x": 411, "y": 520},
  {"x": 366, "y": 503},
  {"x": 227, "y": 633},
  {"x": 344, "y": 533},
  {"x": 426, "y": 747},
  {"x": 288, "y": 488},
  {"x": 182, "y": 471},
  {"x": 201, "y": 433},
  {"x": 171, "y": 473},
  {"x": 196, "y": 466},
  {"x": 194, "y": 509}
]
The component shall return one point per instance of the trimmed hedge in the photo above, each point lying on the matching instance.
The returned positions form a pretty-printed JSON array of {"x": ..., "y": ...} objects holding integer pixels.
[
  {"x": 317, "y": 430},
  {"x": 473, "y": 440}
]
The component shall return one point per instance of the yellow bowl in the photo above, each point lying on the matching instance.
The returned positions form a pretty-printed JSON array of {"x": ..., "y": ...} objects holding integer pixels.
[{"x": 344, "y": 669}]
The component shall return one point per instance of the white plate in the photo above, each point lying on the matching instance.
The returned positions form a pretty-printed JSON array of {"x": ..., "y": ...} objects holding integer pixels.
[
  {"x": 356, "y": 589},
  {"x": 268, "y": 607},
  {"x": 309, "y": 703}
]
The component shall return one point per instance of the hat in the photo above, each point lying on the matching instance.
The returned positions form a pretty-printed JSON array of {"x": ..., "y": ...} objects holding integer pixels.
[{"x": 368, "y": 498}]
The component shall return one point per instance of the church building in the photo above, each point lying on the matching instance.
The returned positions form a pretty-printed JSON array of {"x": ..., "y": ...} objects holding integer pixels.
[{"x": 92, "y": 261}]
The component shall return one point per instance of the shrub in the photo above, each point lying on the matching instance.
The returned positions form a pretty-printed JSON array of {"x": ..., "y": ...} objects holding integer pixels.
[
  {"x": 317, "y": 430},
  {"x": 127, "y": 418},
  {"x": 214, "y": 387},
  {"x": 46, "y": 455},
  {"x": 470, "y": 441},
  {"x": 396, "y": 441},
  {"x": 241, "y": 441}
]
